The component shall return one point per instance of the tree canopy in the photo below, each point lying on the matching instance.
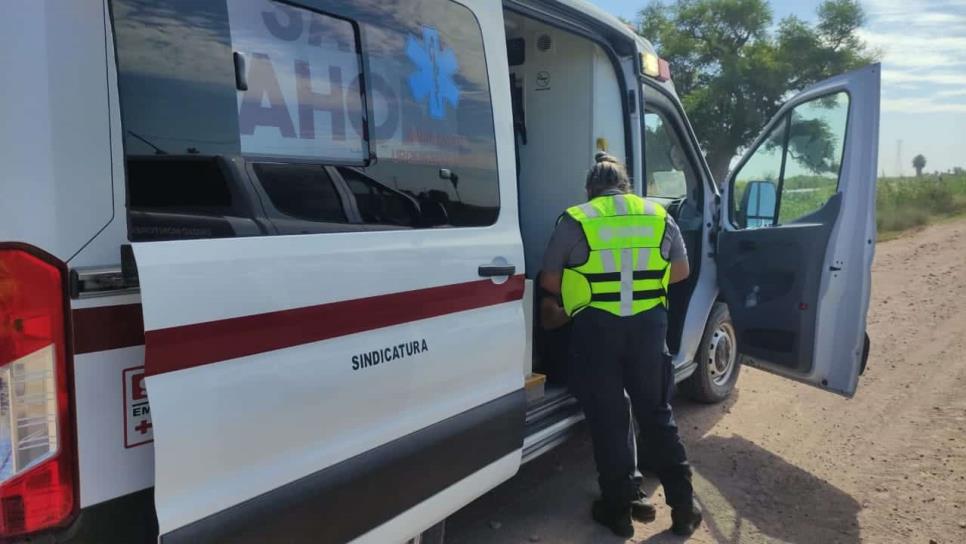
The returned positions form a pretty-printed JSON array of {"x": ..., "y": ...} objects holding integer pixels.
[
  {"x": 919, "y": 162},
  {"x": 733, "y": 67}
]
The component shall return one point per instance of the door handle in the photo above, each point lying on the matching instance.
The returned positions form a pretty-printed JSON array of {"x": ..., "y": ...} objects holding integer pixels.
[{"x": 496, "y": 270}]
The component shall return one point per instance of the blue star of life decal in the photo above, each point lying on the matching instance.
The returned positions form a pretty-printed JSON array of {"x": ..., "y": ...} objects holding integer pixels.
[{"x": 435, "y": 68}]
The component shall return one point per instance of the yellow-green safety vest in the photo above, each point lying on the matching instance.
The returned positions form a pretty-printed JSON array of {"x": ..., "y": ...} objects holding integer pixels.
[{"x": 625, "y": 273}]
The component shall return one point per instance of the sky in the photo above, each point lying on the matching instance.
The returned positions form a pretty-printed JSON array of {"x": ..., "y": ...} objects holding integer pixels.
[{"x": 923, "y": 47}]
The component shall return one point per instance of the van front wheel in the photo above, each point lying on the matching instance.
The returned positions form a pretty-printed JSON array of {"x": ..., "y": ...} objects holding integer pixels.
[{"x": 718, "y": 364}]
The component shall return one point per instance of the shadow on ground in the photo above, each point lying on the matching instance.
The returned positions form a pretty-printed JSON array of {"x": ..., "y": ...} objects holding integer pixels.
[
  {"x": 551, "y": 496},
  {"x": 749, "y": 494},
  {"x": 749, "y": 490}
]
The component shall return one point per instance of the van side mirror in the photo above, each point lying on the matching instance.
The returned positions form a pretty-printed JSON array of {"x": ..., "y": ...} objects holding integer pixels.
[{"x": 758, "y": 205}]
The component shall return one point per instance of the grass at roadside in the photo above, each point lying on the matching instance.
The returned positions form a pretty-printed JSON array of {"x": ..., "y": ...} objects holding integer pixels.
[{"x": 905, "y": 203}]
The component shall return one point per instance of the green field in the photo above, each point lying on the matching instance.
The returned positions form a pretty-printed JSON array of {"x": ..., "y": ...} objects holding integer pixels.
[{"x": 904, "y": 203}]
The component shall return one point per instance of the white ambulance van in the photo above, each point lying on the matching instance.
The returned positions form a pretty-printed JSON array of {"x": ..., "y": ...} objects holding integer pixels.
[{"x": 266, "y": 268}]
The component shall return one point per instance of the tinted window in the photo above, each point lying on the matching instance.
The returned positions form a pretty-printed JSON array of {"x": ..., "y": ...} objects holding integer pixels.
[
  {"x": 178, "y": 183},
  {"x": 379, "y": 204},
  {"x": 306, "y": 104},
  {"x": 431, "y": 102},
  {"x": 301, "y": 191},
  {"x": 301, "y": 86}
]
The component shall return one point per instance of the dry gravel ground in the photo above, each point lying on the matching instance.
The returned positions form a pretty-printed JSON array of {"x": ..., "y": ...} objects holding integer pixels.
[{"x": 782, "y": 462}]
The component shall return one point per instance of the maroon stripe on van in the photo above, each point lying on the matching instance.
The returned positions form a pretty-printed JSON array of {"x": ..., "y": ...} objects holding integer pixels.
[
  {"x": 107, "y": 327},
  {"x": 187, "y": 346}
]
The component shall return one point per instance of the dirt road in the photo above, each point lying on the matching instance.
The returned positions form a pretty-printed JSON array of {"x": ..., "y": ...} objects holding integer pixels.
[{"x": 782, "y": 462}]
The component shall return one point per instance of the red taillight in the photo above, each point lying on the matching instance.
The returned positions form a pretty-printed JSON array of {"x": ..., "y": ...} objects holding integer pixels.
[{"x": 37, "y": 467}]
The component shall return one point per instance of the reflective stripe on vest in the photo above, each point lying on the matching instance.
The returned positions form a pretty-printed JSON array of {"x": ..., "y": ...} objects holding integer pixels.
[{"x": 625, "y": 273}]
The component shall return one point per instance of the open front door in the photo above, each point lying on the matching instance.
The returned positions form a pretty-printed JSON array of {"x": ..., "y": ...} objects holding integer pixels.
[{"x": 798, "y": 235}]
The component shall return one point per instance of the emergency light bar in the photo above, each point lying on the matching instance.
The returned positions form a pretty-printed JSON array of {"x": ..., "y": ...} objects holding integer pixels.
[{"x": 656, "y": 67}]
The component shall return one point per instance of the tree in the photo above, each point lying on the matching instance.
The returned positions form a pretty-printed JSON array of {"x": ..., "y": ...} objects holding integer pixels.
[
  {"x": 732, "y": 70},
  {"x": 919, "y": 162}
]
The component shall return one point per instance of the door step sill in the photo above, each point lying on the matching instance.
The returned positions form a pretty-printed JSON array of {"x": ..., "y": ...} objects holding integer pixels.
[{"x": 549, "y": 421}]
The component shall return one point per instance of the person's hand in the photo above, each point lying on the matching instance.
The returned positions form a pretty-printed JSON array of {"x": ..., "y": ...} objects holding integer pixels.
[{"x": 552, "y": 314}]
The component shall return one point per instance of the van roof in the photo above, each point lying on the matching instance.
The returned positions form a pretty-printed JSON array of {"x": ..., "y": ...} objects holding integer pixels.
[{"x": 615, "y": 26}]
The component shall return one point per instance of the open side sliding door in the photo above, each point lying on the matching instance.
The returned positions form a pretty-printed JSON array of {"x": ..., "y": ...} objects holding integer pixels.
[{"x": 360, "y": 381}]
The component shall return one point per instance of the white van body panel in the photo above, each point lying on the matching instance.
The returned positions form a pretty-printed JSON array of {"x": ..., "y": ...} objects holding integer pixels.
[
  {"x": 54, "y": 134},
  {"x": 109, "y": 467},
  {"x": 60, "y": 130},
  {"x": 194, "y": 421}
]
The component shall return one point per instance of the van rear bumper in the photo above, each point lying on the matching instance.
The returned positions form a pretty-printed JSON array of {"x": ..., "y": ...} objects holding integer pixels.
[{"x": 127, "y": 519}]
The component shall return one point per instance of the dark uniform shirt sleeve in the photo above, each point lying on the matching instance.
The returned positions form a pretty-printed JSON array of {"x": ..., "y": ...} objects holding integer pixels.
[
  {"x": 566, "y": 238},
  {"x": 672, "y": 247}
]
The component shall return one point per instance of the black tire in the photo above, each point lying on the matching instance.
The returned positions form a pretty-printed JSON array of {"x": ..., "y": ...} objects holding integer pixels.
[{"x": 712, "y": 382}]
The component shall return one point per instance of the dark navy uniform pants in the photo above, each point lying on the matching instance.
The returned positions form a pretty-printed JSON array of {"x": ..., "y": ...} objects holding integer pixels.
[{"x": 611, "y": 355}]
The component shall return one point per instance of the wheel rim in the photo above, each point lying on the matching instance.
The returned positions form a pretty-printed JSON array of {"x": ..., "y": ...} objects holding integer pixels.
[{"x": 722, "y": 354}]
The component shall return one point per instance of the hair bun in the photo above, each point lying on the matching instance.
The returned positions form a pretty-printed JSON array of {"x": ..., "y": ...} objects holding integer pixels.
[{"x": 603, "y": 156}]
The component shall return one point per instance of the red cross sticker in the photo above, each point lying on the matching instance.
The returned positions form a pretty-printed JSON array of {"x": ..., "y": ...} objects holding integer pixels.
[
  {"x": 138, "y": 429},
  {"x": 143, "y": 426}
]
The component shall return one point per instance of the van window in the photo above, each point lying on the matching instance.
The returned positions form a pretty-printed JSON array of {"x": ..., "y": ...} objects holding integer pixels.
[
  {"x": 755, "y": 187},
  {"x": 301, "y": 191},
  {"x": 666, "y": 167},
  {"x": 816, "y": 139},
  {"x": 378, "y": 204},
  {"x": 301, "y": 85},
  {"x": 431, "y": 104},
  {"x": 270, "y": 84},
  {"x": 178, "y": 184}
]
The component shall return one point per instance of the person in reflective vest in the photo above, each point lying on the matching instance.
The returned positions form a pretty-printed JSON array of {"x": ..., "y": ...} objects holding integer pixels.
[
  {"x": 625, "y": 273},
  {"x": 607, "y": 268}
]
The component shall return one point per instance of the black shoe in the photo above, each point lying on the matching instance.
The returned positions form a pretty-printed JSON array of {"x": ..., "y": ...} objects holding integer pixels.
[
  {"x": 685, "y": 520},
  {"x": 643, "y": 511},
  {"x": 617, "y": 520}
]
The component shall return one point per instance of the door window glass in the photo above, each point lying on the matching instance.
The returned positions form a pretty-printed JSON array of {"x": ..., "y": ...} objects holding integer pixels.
[
  {"x": 814, "y": 153},
  {"x": 752, "y": 182},
  {"x": 795, "y": 170},
  {"x": 665, "y": 165}
]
